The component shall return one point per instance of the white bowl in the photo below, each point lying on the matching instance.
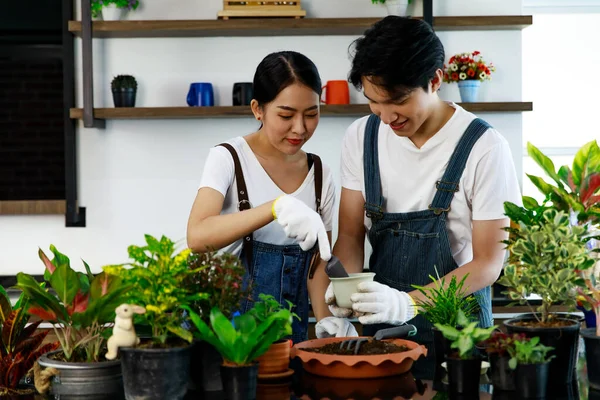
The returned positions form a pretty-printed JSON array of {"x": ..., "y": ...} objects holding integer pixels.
[
  {"x": 484, "y": 366},
  {"x": 343, "y": 288}
]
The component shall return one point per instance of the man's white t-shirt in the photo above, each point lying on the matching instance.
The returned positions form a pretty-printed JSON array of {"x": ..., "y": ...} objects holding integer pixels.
[
  {"x": 219, "y": 174},
  {"x": 409, "y": 175}
]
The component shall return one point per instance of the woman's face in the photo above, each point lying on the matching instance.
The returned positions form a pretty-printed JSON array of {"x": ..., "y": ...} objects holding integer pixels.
[{"x": 290, "y": 119}]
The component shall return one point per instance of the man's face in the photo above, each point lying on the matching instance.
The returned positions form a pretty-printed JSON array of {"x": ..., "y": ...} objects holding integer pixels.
[{"x": 405, "y": 115}]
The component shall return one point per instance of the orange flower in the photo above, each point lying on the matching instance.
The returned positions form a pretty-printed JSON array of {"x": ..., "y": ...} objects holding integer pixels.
[
  {"x": 455, "y": 76},
  {"x": 471, "y": 73}
]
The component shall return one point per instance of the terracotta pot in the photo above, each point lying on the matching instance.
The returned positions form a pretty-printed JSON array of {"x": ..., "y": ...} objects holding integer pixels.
[
  {"x": 276, "y": 359},
  {"x": 357, "y": 367}
]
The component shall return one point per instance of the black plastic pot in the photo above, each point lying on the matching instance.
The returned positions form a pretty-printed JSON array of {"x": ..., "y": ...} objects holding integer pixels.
[
  {"x": 124, "y": 97},
  {"x": 563, "y": 339},
  {"x": 531, "y": 380},
  {"x": 442, "y": 349},
  {"x": 205, "y": 367},
  {"x": 463, "y": 375},
  {"x": 155, "y": 374},
  {"x": 503, "y": 378},
  {"x": 592, "y": 356},
  {"x": 239, "y": 383}
]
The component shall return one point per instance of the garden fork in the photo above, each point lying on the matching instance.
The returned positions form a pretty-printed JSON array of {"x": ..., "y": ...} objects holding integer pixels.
[{"x": 397, "y": 332}]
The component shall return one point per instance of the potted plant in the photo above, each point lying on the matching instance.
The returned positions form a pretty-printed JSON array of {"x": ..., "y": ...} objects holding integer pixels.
[
  {"x": 220, "y": 276},
  {"x": 80, "y": 309},
  {"x": 158, "y": 368},
  {"x": 498, "y": 348},
  {"x": 531, "y": 361},
  {"x": 546, "y": 259},
  {"x": 441, "y": 305},
  {"x": 469, "y": 70},
  {"x": 20, "y": 344},
  {"x": 464, "y": 366},
  {"x": 124, "y": 89},
  {"x": 591, "y": 336},
  {"x": 395, "y": 7},
  {"x": 242, "y": 341},
  {"x": 113, "y": 10}
]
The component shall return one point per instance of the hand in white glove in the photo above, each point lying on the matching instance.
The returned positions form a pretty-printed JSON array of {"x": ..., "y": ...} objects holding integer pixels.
[
  {"x": 337, "y": 311},
  {"x": 334, "y": 327},
  {"x": 301, "y": 223},
  {"x": 382, "y": 304}
]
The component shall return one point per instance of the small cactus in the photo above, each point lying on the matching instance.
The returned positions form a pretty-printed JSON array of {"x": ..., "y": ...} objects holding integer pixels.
[{"x": 123, "y": 82}]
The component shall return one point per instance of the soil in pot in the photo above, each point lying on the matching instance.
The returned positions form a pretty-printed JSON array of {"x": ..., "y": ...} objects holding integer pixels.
[
  {"x": 531, "y": 380},
  {"x": 562, "y": 334},
  {"x": 156, "y": 373},
  {"x": 463, "y": 375},
  {"x": 592, "y": 356},
  {"x": 371, "y": 347},
  {"x": 239, "y": 382}
]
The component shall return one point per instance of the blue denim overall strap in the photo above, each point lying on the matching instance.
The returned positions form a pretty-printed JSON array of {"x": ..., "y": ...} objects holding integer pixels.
[
  {"x": 409, "y": 247},
  {"x": 280, "y": 271}
]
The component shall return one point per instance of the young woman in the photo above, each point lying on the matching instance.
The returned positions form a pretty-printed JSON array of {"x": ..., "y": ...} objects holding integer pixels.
[{"x": 250, "y": 182}]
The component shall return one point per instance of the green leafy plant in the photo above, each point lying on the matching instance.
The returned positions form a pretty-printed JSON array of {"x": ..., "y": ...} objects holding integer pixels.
[
  {"x": 125, "y": 4},
  {"x": 528, "y": 351},
  {"x": 156, "y": 276},
  {"x": 20, "y": 344},
  {"x": 120, "y": 82},
  {"x": 220, "y": 276},
  {"x": 79, "y": 307},
  {"x": 442, "y": 304},
  {"x": 576, "y": 188},
  {"x": 465, "y": 339},
  {"x": 547, "y": 258},
  {"x": 249, "y": 335}
]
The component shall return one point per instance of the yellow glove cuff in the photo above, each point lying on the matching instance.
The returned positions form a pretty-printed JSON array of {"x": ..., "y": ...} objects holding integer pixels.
[
  {"x": 414, "y": 305},
  {"x": 273, "y": 207}
]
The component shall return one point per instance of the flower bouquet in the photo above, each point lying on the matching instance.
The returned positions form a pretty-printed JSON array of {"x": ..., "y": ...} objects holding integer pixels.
[{"x": 469, "y": 70}]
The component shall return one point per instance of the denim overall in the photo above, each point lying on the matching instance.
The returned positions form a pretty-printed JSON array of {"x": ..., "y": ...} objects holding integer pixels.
[
  {"x": 409, "y": 247},
  {"x": 280, "y": 271}
]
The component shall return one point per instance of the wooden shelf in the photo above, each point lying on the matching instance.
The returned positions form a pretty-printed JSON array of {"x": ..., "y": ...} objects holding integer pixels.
[
  {"x": 282, "y": 26},
  {"x": 350, "y": 110},
  {"x": 33, "y": 207}
]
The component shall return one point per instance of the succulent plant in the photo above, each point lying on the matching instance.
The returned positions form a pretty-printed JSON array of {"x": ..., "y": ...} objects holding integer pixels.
[{"x": 123, "y": 82}]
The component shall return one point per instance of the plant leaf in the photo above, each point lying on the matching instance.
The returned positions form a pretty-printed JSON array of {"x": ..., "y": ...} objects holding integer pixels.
[
  {"x": 544, "y": 162},
  {"x": 49, "y": 266},
  {"x": 587, "y": 156},
  {"x": 5, "y": 306},
  {"x": 182, "y": 333},
  {"x": 589, "y": 187},
  {"x": 65, "y": 283},
  {"x": 40, "y": 297}
]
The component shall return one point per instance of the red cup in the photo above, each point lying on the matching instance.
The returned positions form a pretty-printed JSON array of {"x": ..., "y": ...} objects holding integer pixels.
[{"x": 336, "y": 92}]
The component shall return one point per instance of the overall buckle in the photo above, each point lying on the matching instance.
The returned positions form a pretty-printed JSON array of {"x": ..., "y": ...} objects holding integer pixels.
[
  {"x": 443, "y": 186},
  {"x": 438, "y": 210},
  {"x": 373, "y": 212}
]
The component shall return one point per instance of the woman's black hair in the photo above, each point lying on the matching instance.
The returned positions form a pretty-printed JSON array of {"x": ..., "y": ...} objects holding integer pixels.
[
  {"x": 398, "y": 54},
  {"x": 280, "y": 70}
]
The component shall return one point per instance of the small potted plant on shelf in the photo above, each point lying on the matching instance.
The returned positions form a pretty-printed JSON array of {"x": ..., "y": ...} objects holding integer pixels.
[
  {"x": 547, "y": 257},
  {"x": 219, "y": 275},
  {"x": 498, "y": 348},
  {"x": 158, "y": 367},
  {"x": 80, "y": 308},
  {"x": 20, "y": 344},
  {"x": 441, "y": 306},
  {"x": 531, "y": 361},
  {"x": 468, "y": 70},
  {"x": 124, "y": 90},
  {"x": 242, "y": 341},
  {"x": 113, "y": 10},
  {"x": 464, "y": 366},
  {"x": 395, "y": 7}
]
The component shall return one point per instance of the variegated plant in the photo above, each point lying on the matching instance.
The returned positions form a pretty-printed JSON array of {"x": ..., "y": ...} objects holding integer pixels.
[
  {"x": 576, "y": 188},
  {"x": 157, "y": 276},
  {"x": 548, "y": 256},
  {"x": 20, "y": 344},
  {"x": 80, "y": 306}
]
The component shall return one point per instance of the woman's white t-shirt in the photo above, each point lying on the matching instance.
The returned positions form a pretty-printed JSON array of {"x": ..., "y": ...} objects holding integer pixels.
[
  {"x": 219, "y": 174},
  {"x": 409, "y": 175}
]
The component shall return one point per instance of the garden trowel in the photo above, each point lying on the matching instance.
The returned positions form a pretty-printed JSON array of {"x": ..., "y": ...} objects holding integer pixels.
[{"x": 335, "y": 269}]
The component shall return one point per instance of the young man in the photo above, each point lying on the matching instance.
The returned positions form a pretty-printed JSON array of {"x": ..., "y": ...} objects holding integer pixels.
[{"x": 424, "y": 179}]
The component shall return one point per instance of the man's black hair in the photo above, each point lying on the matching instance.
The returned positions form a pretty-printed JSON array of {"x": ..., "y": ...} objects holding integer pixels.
[{"x": 398, "y": 54}]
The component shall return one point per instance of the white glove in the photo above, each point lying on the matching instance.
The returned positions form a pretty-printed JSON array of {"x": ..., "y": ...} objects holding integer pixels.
[
  {"x": 334, "y": 327},
  {"x": 301, "y": 223},
  {"x": 382, "y": 304},
  {"x": 339, "y": 312}
]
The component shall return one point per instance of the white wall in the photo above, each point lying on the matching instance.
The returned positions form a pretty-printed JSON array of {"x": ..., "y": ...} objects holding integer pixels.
[{"x": 141, "y": 176}]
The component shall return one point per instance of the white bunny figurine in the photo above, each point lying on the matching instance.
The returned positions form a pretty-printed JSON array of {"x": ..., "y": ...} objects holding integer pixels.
[{"x": 123, "y": 332}]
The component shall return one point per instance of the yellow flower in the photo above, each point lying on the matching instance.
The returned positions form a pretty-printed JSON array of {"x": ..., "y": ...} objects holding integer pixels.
[{"x": 153, "y": 309}]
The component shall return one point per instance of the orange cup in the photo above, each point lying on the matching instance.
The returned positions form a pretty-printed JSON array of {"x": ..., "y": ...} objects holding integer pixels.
[{"x": 336, "y": 92}]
